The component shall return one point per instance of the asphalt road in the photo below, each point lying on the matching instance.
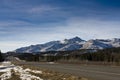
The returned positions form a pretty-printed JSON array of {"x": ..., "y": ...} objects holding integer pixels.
[{"x": 92, "y": 72}]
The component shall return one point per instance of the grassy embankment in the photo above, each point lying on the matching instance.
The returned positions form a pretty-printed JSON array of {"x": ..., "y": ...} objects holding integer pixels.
[{"x": 52, "y": 75}]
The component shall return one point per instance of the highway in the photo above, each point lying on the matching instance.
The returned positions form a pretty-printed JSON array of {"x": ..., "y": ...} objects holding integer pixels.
[{"x": 92, "y": 72}]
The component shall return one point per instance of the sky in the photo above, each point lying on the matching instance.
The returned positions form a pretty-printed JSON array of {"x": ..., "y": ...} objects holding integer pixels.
[{"x": 29, "y": 22}]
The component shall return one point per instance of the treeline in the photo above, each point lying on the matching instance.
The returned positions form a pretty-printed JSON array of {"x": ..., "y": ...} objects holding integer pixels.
[
  {"x": 49, "y": 56},
  {"x": 106, "y": 55},
  {"x": 1, "y": 56}
]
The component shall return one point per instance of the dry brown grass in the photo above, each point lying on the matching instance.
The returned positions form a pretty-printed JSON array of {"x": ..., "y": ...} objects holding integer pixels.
[
  {"x": 52, "y": 75},
  {"x": 1, "y": 73}
]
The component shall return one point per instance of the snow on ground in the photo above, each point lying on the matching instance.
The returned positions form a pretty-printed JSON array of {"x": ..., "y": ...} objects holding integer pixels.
[
  {"x": 34, "y": 71},
  {"x": 6, "y": 75},
  {"x": 24, "y": 74}
]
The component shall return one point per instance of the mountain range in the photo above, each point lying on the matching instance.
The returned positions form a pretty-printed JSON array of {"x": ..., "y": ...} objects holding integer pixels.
[{"x": 75, "y": 43}]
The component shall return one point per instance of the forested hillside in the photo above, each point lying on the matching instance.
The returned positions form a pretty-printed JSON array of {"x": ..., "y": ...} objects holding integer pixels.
[{"x": 111, "y": 55}]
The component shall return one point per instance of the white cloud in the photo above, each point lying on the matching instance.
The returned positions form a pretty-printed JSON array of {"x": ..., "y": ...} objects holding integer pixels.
[
  {"x": 88, "y": 29},
  {"x": 11, "y": 45},
  {"x": 35, "y": 34},
  {"x": 13, "y": 23},
  {"x": 42, "y": 9}
]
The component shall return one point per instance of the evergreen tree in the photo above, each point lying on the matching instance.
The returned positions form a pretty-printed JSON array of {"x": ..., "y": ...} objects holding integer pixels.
[{"x": 1, "y": 58}]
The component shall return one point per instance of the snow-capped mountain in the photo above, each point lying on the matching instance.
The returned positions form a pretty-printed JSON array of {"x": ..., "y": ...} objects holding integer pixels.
[
  {"x": 96, "y": 44},
  {"x": 75, "y": 43}
]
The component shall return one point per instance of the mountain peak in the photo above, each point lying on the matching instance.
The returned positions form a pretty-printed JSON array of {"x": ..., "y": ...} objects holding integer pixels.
[
  {"x": 76, "y": 39},
  {"x": 74, "y": 43}
]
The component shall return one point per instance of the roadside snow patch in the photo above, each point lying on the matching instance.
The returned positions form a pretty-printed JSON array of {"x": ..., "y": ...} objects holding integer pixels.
[
  {"x": 24, "y": 74},
  {"x": 34, "y": 71},
  {"x": 6, "y": 75}
]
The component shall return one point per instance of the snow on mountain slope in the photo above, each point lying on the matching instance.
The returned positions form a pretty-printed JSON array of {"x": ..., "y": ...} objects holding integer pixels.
[
  {"x": 75, "y": 43},
  {"x": 115, "y": 42},
  {"x": 69, "y": 47},
  {"x": 96, "y": 44},
  {"x": 72, "y": 40},
  {"x": 53, "y": 47}
]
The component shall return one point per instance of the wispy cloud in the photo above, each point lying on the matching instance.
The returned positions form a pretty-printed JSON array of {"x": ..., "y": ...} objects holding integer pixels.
[
  {"x": 89, "y": 28},
  {"x": 11, "y": 45},
  {"x": 42, "y": 9},
  {"x": 40, "y": 21},
  {"x": 36, "y": 34},
  {"x": 13, "y": 23}
]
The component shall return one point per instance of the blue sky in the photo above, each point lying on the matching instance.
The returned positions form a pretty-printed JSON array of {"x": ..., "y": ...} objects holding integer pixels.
[{"x": 26, "y": 22}]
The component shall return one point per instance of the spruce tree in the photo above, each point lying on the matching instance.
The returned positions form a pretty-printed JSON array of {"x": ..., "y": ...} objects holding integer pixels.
[{"x": 1, "y": 58}]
